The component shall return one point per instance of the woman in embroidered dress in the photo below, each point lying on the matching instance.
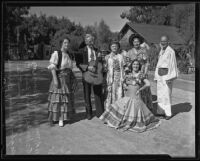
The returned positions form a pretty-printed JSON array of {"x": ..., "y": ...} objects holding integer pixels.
[
  {"x": 140, "y": 53},
  {"x": 115, "y": 74},
  {"x": 61, "y": 89},
  {"x": 130, "y": 112}
]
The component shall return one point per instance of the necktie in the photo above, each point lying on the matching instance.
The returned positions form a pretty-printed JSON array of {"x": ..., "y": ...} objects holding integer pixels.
[{"x": 92, "y": 55}]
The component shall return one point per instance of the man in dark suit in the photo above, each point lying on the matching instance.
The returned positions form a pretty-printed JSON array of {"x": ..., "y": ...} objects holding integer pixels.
[{"x": 86, "y": 54}]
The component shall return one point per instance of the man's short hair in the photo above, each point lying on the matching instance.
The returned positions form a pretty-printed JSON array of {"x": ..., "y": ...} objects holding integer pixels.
[
  {"x": 89, "y": 36},
  {"x": 166, "y": 37}
]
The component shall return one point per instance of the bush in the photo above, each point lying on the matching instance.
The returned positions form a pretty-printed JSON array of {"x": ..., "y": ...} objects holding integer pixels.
[
  {"x": 153, "y": 57},
  {"x": 183, "y": 66},
  {"x": 183, "y": 62}
]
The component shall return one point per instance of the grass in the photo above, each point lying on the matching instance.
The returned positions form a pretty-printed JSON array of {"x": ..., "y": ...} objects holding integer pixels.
[
  {"x": 12, "y": 65},
  {"x": 26, "y": 95}
]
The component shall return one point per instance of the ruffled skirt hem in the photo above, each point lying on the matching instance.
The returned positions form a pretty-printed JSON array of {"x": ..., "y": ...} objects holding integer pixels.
[{"x": 130, "y": 114}]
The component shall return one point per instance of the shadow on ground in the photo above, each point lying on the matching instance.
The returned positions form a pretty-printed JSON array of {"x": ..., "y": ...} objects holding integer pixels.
[
  {"x": 26, "y": 96},
  {"x": 80, "y": 116},
  {"x": 181, "y": 107},
  {"x": 176, "y": 109}
]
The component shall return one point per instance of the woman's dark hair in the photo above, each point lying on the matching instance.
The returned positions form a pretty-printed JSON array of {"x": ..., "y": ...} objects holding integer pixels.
[
  {"x": 135, "y": 36},
  {"x": 131, "y": 65},
  {"x": 70, "y": 53},
  {"x": 114, "y": 42},
  {"x": 61, "y": 41}
]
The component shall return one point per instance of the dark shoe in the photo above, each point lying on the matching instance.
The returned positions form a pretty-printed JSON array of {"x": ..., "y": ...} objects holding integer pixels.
[
  {"x": 51, "y": 123},
  {"x": 89, "y": 116},
  {"x": 161, "y": 116},
  {"x": 89, "y": 113},
  {"x": 168, "y": 117}
]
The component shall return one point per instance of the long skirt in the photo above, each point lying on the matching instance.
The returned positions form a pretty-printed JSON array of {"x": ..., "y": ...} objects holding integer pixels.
[
  {"x": 115, "y": 91},
  {"x": 147, "y": 98},
  {"x": 130, "y": 114},
  {"x": 61, "y": 99}
]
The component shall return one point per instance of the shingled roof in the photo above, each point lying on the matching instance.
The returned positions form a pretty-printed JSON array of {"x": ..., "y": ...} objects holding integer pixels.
[{"x": 152, "y": 33}]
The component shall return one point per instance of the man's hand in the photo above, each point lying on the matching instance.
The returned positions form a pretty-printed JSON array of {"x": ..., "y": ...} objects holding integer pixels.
[
  {"x": 168, "y": 81},
  {"x": 91, "y": 68}
]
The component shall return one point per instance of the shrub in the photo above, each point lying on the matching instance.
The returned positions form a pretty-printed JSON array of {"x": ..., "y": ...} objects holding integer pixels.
[
  {"x": 183, "y": 62},
  {"x": 153, "y": 57}
]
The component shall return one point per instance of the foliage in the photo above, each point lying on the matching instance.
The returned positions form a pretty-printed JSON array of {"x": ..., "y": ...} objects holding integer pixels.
[
  {"x": 13, "y": 22},
  {"x": 102, "y": 33},
  {"x": 34, "y": 30},
  {"x": 183, "y": 61},
  {"x": 153, "y": 57}
]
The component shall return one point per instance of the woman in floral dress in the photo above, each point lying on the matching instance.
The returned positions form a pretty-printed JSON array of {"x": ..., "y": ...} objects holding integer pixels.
[
  {"x": 114, "y": 75},
  {"x": 130, "y": 112}
]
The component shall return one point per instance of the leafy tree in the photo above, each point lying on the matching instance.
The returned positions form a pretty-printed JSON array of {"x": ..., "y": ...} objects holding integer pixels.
[
  {"x": 13, "y": 21},
  {"x": 103, "y": 33}
]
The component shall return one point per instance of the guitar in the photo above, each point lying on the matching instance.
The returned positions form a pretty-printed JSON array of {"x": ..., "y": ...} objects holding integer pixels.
[{"x": 96, "y": 77}]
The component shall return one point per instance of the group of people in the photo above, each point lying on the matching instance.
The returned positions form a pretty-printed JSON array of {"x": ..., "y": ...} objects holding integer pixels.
[{"x": 123, "y": 100}]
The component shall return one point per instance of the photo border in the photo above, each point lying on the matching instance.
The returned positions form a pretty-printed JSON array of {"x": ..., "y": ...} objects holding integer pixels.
[{"x": 101, "y": 157}]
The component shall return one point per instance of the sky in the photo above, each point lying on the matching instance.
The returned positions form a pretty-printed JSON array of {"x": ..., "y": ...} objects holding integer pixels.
[{"x": 87, "y": 15}]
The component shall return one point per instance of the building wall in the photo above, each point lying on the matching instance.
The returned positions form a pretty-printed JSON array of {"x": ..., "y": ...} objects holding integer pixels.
[{"x": 125, "y": 40}]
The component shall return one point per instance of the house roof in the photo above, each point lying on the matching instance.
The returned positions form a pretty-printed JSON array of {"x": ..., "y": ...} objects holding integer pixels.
[{"x": 152, "y": 33}]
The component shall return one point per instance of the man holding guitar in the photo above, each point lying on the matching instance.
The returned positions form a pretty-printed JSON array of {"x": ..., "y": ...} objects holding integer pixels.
[{"x": 88, "y": 62}]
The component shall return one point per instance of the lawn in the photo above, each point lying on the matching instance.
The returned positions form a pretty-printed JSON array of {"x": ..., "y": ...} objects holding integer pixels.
[
  {"x": 26, "y": 94},
  {"x": 24, "y": 65}
]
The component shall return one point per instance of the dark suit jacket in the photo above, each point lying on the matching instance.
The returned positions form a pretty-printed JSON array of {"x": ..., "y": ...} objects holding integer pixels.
[{"x": 81, "y": 58}]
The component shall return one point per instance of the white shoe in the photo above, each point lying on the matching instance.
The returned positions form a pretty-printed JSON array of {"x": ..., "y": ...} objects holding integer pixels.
[{"x": 60, "y": 123}]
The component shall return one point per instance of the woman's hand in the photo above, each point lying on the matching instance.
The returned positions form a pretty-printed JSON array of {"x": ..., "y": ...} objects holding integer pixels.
[
  {"x": 56, "y": 83},
  {"x": 137, "y": 92},
  {"x": 125, "y": 86}
]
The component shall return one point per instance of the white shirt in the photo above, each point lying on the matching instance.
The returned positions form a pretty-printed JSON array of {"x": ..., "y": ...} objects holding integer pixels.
[
  {"x": 90, "y": 52},
  {"x": 164, "y": 58},
  {"x": 167, "y": 59},
  {"x": 66, "y": 61}
]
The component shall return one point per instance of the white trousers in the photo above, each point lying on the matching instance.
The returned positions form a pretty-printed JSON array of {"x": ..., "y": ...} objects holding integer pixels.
[{"x": 164, "y": 92}]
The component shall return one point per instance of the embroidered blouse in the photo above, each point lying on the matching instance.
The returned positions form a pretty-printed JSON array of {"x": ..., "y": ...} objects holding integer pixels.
[
  {"x": 136, "y": 78},
  {"x": 66, "y": 61},
  {"x": 114, "y": 63}
]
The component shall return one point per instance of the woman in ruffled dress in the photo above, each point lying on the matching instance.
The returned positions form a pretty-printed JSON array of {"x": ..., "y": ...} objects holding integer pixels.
[
  {"x": 115, "y": 73},
  {"x": 61, "y": 91},
  {"x": 141, "y": 53},
  {"x": 130, "y": 112}
]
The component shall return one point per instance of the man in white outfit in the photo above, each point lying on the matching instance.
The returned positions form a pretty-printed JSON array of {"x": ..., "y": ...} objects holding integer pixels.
[{"x": 166, "y": 72}]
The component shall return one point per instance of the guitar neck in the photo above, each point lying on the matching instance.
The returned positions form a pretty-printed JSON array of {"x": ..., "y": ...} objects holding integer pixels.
[{"x": 96, "y": 61}]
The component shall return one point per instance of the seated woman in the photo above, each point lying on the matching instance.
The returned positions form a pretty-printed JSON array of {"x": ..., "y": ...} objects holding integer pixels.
[{"x": 130, "y": 112}]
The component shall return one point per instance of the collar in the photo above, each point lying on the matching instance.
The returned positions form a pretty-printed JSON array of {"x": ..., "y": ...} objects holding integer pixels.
[{"x": 88, "y": 47}]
